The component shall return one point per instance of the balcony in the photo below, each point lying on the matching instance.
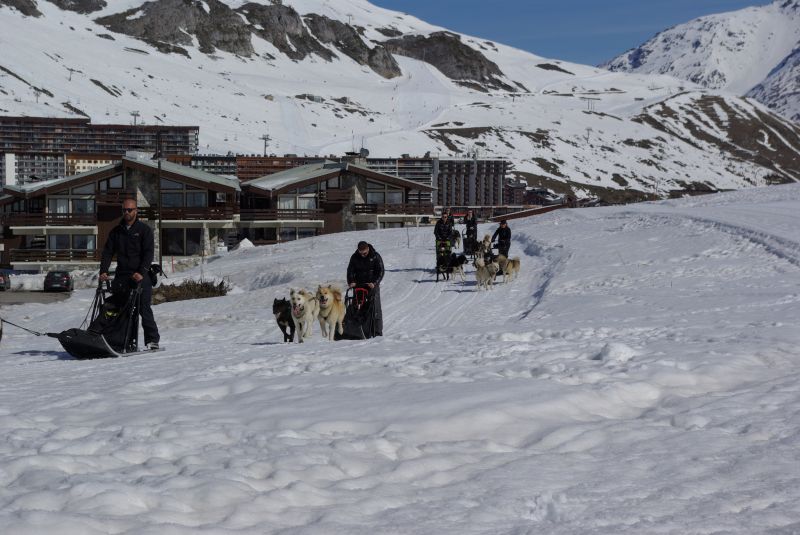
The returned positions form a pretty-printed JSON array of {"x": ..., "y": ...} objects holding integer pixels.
[
  {"x": 215, "y": 213},
  {"x": 54, "y": 255},
  {"x": 255, "y": 214},
  {"x": 393, "y": 209},
  {"x": 48, "y": 220},
  {"x": 336, "y": 196}
]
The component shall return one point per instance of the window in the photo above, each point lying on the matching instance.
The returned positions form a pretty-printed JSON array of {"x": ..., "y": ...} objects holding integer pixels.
[
  {"x": 110, "y": 183},
  {"x": 58, "y": 206},
  {"x": 88, "y": 189},
  {"x": 177, "y": 195},
  {"x": 84, "y": 242},
  {"x": 296, "y": 233},
  {"x": 58, "y": 241},
  {"x": 301, "y": 202},
  {"x": 82, "y": 206},
  {"x": 182, "y": 242},
  {"x": 378, "y": 193}
]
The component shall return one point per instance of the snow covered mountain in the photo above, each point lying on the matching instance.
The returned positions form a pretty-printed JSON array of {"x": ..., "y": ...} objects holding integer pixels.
[
  {"x": 751, "y": 52},
  {"x": 329, "y": 76}
]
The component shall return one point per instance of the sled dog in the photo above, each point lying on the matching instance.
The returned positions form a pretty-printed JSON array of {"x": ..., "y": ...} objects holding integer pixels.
[
  {"x": 305, "y": 309},
  {"x": 452, "y": 264},
  {"x": 282, "y": 310},
  {"x": 331, "y": 310},
  {"x": 509, "y": 267},
  {"x": 485, "y": 273},
  {"x": 455, "y": 237}
]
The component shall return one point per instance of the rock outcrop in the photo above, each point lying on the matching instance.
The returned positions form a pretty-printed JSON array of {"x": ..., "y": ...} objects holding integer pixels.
[
  {"x": 456, "y": 60},
  {"x": 174, "y": 22},
  {"x": 346, "y": 39}
]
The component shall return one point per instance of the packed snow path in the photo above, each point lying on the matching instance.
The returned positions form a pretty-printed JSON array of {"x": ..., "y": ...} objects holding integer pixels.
[{"x": 640, "y": 376}]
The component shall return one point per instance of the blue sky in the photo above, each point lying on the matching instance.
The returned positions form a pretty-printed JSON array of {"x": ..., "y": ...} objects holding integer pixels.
[{"x": 582, "y": 31}]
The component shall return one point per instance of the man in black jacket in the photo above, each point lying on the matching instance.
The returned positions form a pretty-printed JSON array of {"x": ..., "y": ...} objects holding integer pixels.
[
  {"x": 503, "y": 236},
  {"x": 366, "y": 269},
  {"x": 132, "y": 242}
]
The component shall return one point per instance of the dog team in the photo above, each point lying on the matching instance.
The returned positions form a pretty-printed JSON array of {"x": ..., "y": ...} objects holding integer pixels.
[{"x": 303, "y": 308}]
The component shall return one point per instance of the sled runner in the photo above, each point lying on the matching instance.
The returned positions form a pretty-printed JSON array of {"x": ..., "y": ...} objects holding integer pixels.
[
  {"x": 113, "y": 326},
  {"x": 359, "y": 319}
]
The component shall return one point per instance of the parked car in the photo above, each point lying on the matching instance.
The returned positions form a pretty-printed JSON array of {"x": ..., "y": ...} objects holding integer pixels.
[
  {"x": 58, "y": 281},
  {"x": 5, "y": 281}
]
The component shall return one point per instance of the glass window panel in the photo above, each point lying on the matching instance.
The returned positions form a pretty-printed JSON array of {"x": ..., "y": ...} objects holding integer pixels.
[
  {"x": 85, "y": 242},
  {"x": 288, "y": 234},
  {"x": 374, "y": 185},
  {"x": 172, "y": 200},
  {"x": 58, "y": 241},
  {"x": 173, "y": 241},
  {"x": 58, "y": 206},
  {"x": 196, "y": 199},
  {"x": 375, "y": 197},
  {"x": 287, "y": 202},
  {"x": 170, "y": 184},
  {"x": 306, "y": 203},
  {"x": 115, "y": 182},
  {"x": 83, "y": 190},
  {"x": 194, "y": 237},
  {"x": 394, "y": 197},
  {"x": 311, "y": 188},
  {"x": 333, "y": 183},
  {"x": 82, "y": 206},
  {"x": 306, "y": 232}
]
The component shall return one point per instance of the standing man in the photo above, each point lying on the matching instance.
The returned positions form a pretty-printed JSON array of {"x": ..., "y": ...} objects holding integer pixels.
[
  {"x": 132, "y": 243},
  {"x": 471, "y": 233},
  {"x": 503, "y": 236},
  {"x": 366, "y": 269}
]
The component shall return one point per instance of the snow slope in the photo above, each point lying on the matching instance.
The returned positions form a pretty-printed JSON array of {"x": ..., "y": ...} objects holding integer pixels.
[{"x": 640, "y": 376}]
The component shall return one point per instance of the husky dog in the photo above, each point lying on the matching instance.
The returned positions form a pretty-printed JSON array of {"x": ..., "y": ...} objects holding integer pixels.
[
  {"x": 484, "y": 247},
  {"x": 282, "y": 310},
  {"x": 450, "y": 264},
  {"x": 485, "y": 273},
  {"x": 305, "y": 309},
  {"x": 455, "y": 237},
  {"x": 509, "y": 267},
  {"x": 331, "y": 310}
]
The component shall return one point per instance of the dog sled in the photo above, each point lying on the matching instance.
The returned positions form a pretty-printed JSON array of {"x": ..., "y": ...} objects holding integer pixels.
[
  {"x": 113, "y": 325},
  {"x": 359, "y": 319}
]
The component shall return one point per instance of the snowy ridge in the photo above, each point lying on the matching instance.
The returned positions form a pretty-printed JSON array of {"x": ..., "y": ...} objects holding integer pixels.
[
  {"x": 641, "y": 375},
  {"x": 562, "y": 125},
  {"x": 735, "y": 51}
]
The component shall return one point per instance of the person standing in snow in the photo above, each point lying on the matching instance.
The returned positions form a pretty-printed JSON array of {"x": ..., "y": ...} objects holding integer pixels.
[
  {"x": 471, "y": 232},
  {"x": 132, "y": 243},
  {"x": 366, "y": 269},
  {"x": 443, "y": 231},
  {"x": 503, "y": 237}
]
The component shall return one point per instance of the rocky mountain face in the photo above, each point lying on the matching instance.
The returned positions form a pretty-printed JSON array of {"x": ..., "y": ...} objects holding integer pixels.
[
  {"x": 174, "y": 22},
  {"x": 26, "y": 7},
  {"x": 736, "y": 51},
  {"x": 456, "y": 60}
]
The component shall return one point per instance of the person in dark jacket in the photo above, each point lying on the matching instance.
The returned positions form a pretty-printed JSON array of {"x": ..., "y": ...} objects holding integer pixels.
[
  {"x": 366, "y": 269},
  {"x": 471, "y": 223},
  {"x": 132, "y": 243},
  {"x": 443, "y": 231},
  {"x": 503, "y": 237}
]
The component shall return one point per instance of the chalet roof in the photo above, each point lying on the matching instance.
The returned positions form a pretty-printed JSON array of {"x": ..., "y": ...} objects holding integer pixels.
[
  {"x": 297, "y": 177},
  {"x": 186, "y": 171},
  {"x": 32, "y": 187},
  {"x": 169, "y": 170}
]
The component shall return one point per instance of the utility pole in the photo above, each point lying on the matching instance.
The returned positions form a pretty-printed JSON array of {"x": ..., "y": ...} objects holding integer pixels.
[
  {"x": 160, "y": 231},
  {"x": 265, "y": 138},
  {"x": 135, "y": 114}
]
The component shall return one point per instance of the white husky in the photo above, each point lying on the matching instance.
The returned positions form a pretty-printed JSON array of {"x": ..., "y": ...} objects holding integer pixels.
[{"x": 305, "y": 309}]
